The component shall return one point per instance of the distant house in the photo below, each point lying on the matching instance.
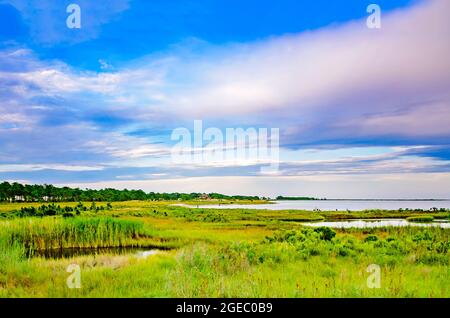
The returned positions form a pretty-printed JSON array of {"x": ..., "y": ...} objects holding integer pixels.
[
  {"x": 205, "y": 196},
  {"x": 18, "y": 198}
]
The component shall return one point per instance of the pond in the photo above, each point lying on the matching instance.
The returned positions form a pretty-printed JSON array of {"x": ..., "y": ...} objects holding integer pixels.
[
  {"x": 361, "y": 223},
  {"x": 76, "y": 252}
]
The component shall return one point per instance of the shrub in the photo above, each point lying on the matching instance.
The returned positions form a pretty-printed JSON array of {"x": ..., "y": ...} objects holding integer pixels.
[
  {"x": 314, "y": 251},
  {"x": 50, "y": 210},
  {"x": 422, "y": 236},
  {"x": 343, "y": 251},
  {"x": 326, "y": 233},
  {"x": 371, "y": 238}
]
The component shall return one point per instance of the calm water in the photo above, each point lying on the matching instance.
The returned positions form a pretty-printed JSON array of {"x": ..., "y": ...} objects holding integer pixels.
[
  {"x": 339, "y": 205},
  {"x": 376, "y": 223}
]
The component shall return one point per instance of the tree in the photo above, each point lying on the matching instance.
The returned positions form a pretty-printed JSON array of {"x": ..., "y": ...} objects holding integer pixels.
[{"x": 39, "y": 193}]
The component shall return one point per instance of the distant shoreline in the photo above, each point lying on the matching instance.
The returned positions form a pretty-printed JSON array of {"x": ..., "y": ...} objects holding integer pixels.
[{"x": 385, "y": 200}]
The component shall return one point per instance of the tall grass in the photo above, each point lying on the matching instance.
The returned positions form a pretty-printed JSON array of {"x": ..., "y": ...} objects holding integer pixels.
[
  {"x": 54, "y": 233},
  {"x": 250, "y": 253}
]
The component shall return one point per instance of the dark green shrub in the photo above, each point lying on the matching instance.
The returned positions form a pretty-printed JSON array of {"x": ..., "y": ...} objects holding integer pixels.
[
  {"x": 326, "y": 233},
  {"x": 422, "y": 236},
  {"x": 371, "y": 238},
  {"x": 343, "y": 251}
]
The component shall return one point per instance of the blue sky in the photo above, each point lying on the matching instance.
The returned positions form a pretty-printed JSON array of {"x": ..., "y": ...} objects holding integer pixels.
[
  {"x": 131, "y": 29},
  {"x": 96, "y": 106}
]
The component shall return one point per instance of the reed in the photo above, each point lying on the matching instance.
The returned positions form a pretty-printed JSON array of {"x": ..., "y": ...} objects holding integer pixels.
[{"x": 58, "y": 233}]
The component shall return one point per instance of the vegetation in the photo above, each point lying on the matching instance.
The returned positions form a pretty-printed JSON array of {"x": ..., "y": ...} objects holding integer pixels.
[
  {"x": 420, "y": 218},
  {"x": 53, "y": 209},
  {"x": 52, "y": 233},
  {"x": 17, "y": 192},
  {"x": 219, "y": 253},
  {"x": 282, "y": 198}
]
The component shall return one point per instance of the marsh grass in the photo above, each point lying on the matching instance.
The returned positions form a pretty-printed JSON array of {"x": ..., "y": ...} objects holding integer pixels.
[
  {"x": 301, "y": 264},
  {"x": 59, "y": 233},
  {"x": 233, "y": 253},
  {"x": 420, "y": 218}
]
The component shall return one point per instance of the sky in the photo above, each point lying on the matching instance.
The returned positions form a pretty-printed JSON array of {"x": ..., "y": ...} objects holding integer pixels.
[{"x": 361, "y": 112}]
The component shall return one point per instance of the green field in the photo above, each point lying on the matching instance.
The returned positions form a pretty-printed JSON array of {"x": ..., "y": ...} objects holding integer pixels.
[{"x": 217, "y": 253}]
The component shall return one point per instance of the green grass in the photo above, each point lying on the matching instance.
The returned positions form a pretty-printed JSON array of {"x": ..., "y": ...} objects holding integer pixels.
[
  {"x": 50, "y": 233},
  {"x": 58, "y": 233},
  {"x": 420, "y": 218},
  {"x": 222, "y": 253}
]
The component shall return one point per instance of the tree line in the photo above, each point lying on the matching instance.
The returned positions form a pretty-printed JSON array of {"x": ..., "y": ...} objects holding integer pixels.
[
  {"x": 283, "y": 198},
  {"x": 17, "y": 192}
]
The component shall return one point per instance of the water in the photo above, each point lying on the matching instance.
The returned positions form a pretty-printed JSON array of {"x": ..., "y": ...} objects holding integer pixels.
[
  {"x": 376, "y": 223},
  {"x": 139, "y": 252},
  {"x": 338, "y": 205}
]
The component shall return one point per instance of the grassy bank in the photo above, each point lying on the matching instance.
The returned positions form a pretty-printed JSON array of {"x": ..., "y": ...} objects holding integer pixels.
[{"x": 421, "y": 218}]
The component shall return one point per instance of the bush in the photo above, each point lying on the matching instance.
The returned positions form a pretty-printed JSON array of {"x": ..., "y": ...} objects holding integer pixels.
[
  {"x": 371, "y": 238},
  {"x": 53, "y": 210},
  {"x": 422, "y": 236},
  {"x": 343, "y": 251},
  {"x": 326, "y": 233}
]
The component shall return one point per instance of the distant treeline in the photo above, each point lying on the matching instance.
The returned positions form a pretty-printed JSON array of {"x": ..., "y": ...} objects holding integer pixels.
[
  {"x": 16, "y": 192},
  {"x": 295, "y": 198}
]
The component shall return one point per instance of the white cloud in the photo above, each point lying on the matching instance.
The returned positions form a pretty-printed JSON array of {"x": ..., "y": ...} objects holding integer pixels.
[
  {"x": 389, "y": 186},
  {"x": 55, "y": 81},
  {"x": 424, "y": 120},
  {"x": 51, "y": 166},
  {"x": 12, "y": 118},
  {"x": 326, "y": 77}
]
